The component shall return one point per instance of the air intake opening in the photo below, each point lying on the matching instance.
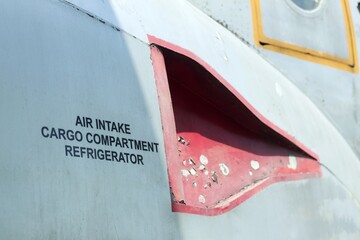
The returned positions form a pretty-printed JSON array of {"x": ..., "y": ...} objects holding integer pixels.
[{"x": 219, "y": 150}]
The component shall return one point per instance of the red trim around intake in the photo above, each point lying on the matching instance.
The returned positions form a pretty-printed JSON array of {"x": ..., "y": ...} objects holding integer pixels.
[{"x": 219, "y": 150}]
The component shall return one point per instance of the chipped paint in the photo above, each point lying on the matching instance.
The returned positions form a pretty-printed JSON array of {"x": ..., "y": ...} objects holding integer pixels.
[
  {"x": 213, "y": 149},
  {"x": 224, "y": 169},
  {"x": 193, "y": 171},
  {"x": 204, "y": 160},
  {"x": 207, "y": 185},
  {"x": 185, "y": 172},
  {"x": 255, "y": 164},
  {"x": 194, "y": 184},
  {"x": 250, "y": 173},
  {"x": 292, "y": 162},
  {"x": 202, "y": 199},
  {"x": 183, "y": 141},
  {"x": 191, "y": 161},
  {"x": 214, "y": 177}
]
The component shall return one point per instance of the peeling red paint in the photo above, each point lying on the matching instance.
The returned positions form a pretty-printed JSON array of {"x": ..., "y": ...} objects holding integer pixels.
[{"x": 226, "y": 148}]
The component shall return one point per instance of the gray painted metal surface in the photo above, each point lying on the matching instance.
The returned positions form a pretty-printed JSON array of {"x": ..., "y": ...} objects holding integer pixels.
[
  {"x": 334, "y": 92},
  {"x": 57, "y": 62},
  {"x": 314, "y": 29}
]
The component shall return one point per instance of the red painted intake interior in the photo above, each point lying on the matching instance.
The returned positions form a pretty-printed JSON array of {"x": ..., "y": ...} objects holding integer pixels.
[{"x": 223, "y": 152}]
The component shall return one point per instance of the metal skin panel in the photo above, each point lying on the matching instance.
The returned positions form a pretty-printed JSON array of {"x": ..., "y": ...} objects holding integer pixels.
[
  {"x": 287, "y": 24},
  {"x": 302, "y": 48},
  {"x": 283, "y": 27},
  {"x": 333, "y": 91},
  {"x": 57, "y": 63}
]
